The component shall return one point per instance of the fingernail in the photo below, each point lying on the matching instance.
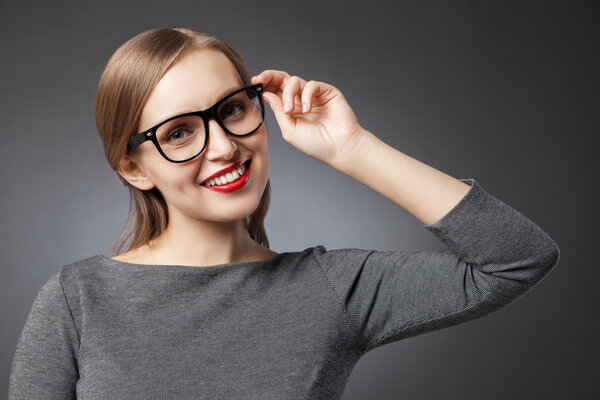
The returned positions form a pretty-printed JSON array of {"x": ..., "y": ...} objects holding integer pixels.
[
  {"x": 304, "y": 107},
  {"x": 286, "y": 106}
]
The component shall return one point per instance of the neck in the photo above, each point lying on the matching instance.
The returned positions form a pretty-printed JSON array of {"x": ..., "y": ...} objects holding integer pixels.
[{"x": 196, "y": 242}]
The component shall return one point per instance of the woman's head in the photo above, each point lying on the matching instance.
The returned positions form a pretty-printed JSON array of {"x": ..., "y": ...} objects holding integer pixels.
[{"x": 166, "y": 72}]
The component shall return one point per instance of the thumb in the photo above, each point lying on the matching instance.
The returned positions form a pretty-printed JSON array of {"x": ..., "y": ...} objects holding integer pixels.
[{"x": 285, "y": 121}]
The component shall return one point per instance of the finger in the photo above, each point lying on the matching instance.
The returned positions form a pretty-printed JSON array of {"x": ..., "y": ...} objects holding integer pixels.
[
  {"x": 264, "y": 78},
  {"x": 255, "y": 79},
  {"x": 290, "y": 91},
  {"x": 311, "y": 89},
  {"x": 273, "y": 80},
  {"x": 285, "y": 121}
]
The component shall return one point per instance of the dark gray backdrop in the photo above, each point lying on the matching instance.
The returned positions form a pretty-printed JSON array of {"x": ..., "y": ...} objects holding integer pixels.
[{"x": 503, "y": 92}]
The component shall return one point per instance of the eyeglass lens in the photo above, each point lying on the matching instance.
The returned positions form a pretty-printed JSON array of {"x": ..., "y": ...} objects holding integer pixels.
[{"x": 184, "y": 137}]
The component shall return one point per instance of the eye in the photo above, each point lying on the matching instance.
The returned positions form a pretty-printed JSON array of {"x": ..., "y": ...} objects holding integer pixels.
[
  {"x": 232, "y": 110},
  {"x": 178, "y": 134}
]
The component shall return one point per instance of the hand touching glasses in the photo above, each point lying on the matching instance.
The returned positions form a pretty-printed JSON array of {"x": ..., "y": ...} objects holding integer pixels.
[{"x": 313, "y": 116}]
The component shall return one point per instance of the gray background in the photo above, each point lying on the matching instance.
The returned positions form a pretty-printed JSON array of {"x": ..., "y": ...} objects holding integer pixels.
[{"x": 503, "y": 92}]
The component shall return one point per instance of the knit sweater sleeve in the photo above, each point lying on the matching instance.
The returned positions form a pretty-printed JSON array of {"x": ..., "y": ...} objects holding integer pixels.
[
  {"x": 45, "y": 361},
  {"x": 494, "y": 255}
]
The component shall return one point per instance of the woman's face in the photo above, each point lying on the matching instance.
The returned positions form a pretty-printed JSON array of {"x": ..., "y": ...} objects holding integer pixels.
[{"x": 196, "y": 82}]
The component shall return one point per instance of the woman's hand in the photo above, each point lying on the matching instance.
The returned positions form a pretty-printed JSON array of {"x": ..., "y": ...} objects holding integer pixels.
[{"x": 313, "y": 116}]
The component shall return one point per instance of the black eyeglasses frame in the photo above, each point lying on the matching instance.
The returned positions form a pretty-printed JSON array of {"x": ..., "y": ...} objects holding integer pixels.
[{"x": 206, "y": 116}]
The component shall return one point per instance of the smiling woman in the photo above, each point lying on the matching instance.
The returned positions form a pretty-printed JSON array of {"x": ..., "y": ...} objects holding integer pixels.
[
  {"x": 201, "y": 79},
  {"x": 199, "y": 306},
  {"x": 156, "y": 76}
]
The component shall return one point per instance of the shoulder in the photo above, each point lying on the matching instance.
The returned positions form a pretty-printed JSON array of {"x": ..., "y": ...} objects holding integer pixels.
[
  {"x": 50, "y": 294},
  {"x": 75, "y": 279},
  {"x": 336, "y": 264},
  {"x": 338, "y": 257},
  {"x": 320, "y": 250},
  {"x": 53, "y": 303},
  {"x": 66, "y": 273},
  {"x": 82, "y": 265},
  {"x": 78, "y": 272}
]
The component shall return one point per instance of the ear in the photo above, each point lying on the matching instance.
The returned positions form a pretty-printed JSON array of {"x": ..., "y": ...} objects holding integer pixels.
[{"x": 130, "y": 170}]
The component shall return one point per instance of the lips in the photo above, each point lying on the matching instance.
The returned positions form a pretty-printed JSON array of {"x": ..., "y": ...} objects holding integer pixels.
[
  {"x": 225, "y": 170},
  {"x": 233, "y": 186}
]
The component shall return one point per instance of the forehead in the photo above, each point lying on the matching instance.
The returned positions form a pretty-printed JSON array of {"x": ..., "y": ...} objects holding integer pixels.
[{"x": 195, "y": 82}]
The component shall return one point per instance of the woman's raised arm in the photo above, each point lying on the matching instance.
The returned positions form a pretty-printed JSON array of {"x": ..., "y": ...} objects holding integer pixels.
[
  {"x": 323, "y": 125},
  {"x": 494, "y": 253}
]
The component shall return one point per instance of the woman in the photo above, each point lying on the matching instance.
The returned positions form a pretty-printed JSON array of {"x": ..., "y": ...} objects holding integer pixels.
[{"x": 198, "y": 306}]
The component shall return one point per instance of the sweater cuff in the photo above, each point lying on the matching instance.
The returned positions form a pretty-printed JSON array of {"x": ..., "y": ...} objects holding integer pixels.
[
  {"x": 470, "y": 228},
  {"x": 461, "y": 210}
]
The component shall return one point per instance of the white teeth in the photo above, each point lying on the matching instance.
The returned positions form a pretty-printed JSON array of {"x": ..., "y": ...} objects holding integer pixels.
[{"x": 228, "y": 177}]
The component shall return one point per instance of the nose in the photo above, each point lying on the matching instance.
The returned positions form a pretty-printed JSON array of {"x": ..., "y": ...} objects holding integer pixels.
[{"x": 220, "y": 145}]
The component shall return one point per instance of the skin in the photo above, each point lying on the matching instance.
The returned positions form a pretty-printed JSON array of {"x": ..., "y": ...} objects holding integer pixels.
[{"x": 205, "y": 227}]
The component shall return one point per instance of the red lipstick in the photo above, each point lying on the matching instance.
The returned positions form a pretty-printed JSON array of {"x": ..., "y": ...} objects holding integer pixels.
[
  {"x": 231, "y": 186},
  {"x": 225, "y": 170}
]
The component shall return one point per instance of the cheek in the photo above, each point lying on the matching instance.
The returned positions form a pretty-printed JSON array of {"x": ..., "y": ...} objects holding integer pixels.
[
  {"x": 260, "y": 143},
  {"x": 260, "y": 148},
  {"x": 174, "y": 179}
]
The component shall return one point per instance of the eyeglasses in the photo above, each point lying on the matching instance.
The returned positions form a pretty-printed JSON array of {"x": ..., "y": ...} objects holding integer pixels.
[{"x": 183, "y": 137}]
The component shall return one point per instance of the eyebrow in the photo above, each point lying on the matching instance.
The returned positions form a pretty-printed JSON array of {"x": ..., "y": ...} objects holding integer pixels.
[{"x": 223, "y": 94}]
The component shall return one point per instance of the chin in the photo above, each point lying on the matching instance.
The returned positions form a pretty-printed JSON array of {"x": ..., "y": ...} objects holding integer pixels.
[{"x": 234, "y": 212}]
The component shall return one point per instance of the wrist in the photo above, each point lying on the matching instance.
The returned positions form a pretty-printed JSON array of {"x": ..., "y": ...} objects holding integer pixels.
[{"x": 352, "y": 152}]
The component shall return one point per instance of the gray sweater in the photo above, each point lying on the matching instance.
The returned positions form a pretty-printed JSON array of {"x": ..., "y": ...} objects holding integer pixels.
[{"x": 291, "y": 327}]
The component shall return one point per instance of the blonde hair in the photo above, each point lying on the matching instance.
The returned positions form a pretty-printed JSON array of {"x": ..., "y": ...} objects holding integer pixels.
[{"x": 127, "y": 81}]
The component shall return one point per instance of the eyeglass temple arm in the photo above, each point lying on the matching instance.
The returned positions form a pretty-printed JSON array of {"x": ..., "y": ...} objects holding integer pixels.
[{"x": 136, "y": 140}]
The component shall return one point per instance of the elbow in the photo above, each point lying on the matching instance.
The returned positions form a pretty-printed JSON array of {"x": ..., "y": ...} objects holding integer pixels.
[
  {"x": 545, "y": 260},
  {"x": 544, "y": 257},
  {"x": 517, "y": 278},
  {"x": 525, "y": 272},
  {"x": 552, "y": 256}
]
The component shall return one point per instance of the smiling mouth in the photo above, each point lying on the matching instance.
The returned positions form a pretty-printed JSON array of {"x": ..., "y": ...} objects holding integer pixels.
[{"x": 228, "y": 177}]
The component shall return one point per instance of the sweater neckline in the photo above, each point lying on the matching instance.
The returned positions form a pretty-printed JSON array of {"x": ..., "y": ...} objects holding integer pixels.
[{"x": 181, "y": 267}]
